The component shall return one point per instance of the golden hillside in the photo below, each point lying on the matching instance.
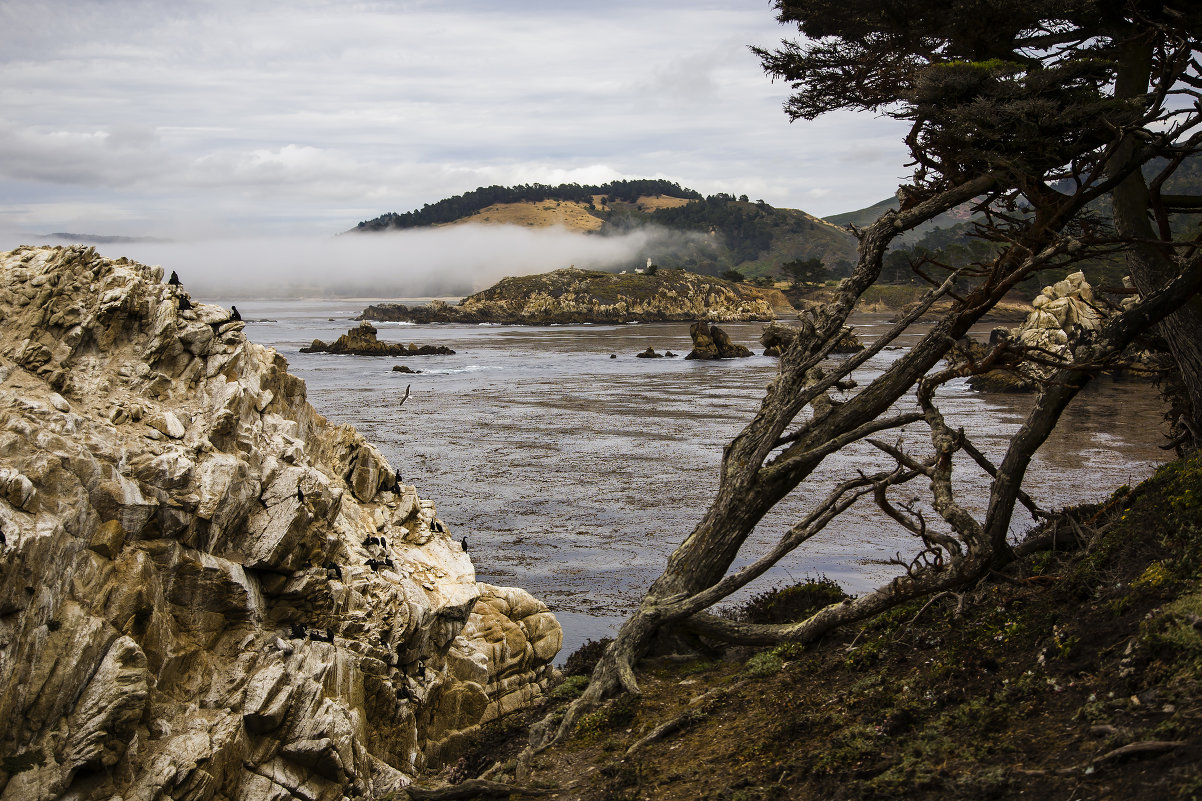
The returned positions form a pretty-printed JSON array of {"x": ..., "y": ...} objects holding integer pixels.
[{"x": 570, "y": 214}]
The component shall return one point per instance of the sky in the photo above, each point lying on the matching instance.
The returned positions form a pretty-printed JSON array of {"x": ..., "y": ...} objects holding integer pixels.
[{"x": 227, "y": 121}]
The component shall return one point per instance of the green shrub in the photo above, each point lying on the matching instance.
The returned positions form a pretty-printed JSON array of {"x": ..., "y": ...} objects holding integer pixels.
[
  {"x": 570, "y": 688},
  {"x": 764, "y": 663},
  {"x": 585, "y": 658},
  {"x": 788, "y": 604},
  {"x": 617, "y": 714}
]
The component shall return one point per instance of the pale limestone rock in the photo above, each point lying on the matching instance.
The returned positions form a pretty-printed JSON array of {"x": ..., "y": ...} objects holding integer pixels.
[
  {"x": 167, "y": 423},
  {"x": 158, "y": 578},
  {"x": 1063, "y": 315}
]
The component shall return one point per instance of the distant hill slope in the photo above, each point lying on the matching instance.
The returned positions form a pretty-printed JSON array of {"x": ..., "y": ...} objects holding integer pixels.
[
  {"x": 866, "y": 216},
  {"x": 753, "y": 238}
]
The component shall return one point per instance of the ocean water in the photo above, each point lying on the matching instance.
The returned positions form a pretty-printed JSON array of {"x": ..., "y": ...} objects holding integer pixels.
[{"x": 574, "y": 474}]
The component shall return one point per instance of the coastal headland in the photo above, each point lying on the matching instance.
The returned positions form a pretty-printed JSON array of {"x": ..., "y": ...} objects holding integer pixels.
[{"x": 573, "y": 296}]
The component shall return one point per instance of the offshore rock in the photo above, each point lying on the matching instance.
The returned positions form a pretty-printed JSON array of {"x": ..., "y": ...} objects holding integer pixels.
[
  {"x": 588, "y": 296},
  {"x": 207, "y": 591},
  {"x": 361, "y": 341},
  {"x": 711, "y": 342},
  {"x": 777, "y": 337},
  {"x": 1063, "y": 322}
]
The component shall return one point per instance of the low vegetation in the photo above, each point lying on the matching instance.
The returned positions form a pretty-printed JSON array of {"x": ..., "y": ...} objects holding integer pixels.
[{"x": 1074, "y": 671}]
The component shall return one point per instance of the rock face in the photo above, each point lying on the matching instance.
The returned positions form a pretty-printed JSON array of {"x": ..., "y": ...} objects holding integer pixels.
[
  {"x": 588, "y": 296},
  {"x": 361, "y": 341},
  {"x": 711, "y": 342},
  {"x": 1064, "y": 316},
  {"x": 206, "y": 590}
]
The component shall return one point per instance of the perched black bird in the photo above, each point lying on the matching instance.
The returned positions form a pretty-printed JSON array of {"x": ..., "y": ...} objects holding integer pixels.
[
  {"x": 300, "y": 495},
  {"x": 333, "y": 568},
  {"x": 371, "y": 541},
  {"x": 398, "y": 480},
  {"x": 3, "y": 539},
  {"x": 388, "y": 561},
  {"x": 463, "y": 542},
  {"x": 374, "y": 565},
  {"x": 383, "y": 542},
  {"x": 174, "y": 279},
  {"x": 234, "y": 313},
  {"x": 298, "y": 632},
  {"x": 439, "y": 526},
  {"x": 317, "y": 637},
  {"x": 184, "y": 303}
]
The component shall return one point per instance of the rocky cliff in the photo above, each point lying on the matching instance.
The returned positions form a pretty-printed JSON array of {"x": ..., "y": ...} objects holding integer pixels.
[
  {"x": 588, "y": 296},
  {"x": 207, "y": 591}
]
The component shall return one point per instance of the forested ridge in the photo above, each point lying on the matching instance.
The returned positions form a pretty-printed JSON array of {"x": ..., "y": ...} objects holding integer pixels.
[
  {"x": 751, "y": 237},
  {"x": 459, "y": 206}
]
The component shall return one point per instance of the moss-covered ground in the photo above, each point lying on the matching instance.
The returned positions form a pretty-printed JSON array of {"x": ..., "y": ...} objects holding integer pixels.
[{"x": 1074, "y": 674}]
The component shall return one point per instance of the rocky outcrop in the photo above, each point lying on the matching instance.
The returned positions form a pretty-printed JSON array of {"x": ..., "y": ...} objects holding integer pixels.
[
  {"x": 207, "y": 591},
  {"x": 1064, "y": 316},
  {"x": 711, "y": 342},
  {"x": 362, "y": 341},
  {"x": 777, "y": 337},
  {"x": 587, "y": 296}
]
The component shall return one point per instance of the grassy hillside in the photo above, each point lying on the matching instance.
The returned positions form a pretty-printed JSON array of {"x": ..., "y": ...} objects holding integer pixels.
[
  {"x": 1071, "y": 673},
  {"x": 735, "y": 233}
]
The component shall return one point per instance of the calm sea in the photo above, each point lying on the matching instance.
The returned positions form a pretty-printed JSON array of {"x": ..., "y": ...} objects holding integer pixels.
[{"x": 574, "y": 474}]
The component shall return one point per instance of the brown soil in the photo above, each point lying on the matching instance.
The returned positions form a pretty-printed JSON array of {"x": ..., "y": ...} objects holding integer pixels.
[{"x": 1072, "y": 675}]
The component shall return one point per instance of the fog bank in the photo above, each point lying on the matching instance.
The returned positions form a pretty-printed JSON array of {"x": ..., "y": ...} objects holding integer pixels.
[{"x": 450, "y": 261}]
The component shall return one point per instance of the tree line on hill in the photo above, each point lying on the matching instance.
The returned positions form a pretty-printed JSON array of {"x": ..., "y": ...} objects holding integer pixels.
[{"x": 459, "y": 206}]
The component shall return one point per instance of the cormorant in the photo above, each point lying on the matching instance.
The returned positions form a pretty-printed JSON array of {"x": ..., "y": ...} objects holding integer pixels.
[
  {"x": 3, "y": 539},
  {"x": 374, "y": 565},
  {"x": 398, "y": 479},
  {"x": 234, "y": 315},
  {"x": 333, "y": 568},
  {"x": 300, "y": 495},
  {"x": 463, "y": 543},
  {"x": 174, "y": 279},
  {"x": 327, "y": 637},
  {"x": 298, "y": 632}
]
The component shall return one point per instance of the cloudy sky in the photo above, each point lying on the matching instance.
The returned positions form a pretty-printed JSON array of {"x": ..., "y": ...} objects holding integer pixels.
[{"x": 232, "y": 118}]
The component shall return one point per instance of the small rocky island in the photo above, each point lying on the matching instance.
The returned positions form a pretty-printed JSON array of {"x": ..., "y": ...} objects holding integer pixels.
[
  {"x": 362, "y": 341},
  {"x": 711, "y": 342},
  {"x": 573, "y": 296}
]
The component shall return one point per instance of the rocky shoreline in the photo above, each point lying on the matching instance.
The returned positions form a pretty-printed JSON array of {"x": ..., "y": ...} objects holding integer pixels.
[
  {"x": 206, "y": 589},
  {"x": 573, "y": 296}
]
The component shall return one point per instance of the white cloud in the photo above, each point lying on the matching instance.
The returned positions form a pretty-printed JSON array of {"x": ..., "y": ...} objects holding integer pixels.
[{"x": 257, "y": 116}]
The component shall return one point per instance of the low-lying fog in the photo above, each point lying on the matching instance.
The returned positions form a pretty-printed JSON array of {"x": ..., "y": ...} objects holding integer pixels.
[{"x": 415, "y": 263}]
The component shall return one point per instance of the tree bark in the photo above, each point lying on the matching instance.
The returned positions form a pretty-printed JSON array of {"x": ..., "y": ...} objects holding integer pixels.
[{"x": 1151, "y": 262}]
